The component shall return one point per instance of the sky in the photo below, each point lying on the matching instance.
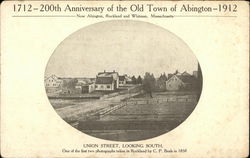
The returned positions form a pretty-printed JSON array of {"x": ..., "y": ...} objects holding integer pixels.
[{"x": 126, "y": 46}]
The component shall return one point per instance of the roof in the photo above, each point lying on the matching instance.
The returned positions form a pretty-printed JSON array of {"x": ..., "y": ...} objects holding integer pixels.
[
  {"x": 185, "y": 74},
  {"x": 186, "y": 79},
  {"x": 104, "y": 80},
  {"x": 53, "y": 77},
  {"x": 65, "y": 78},
  {"x": 121, "y": 78},
  {"x": 79, "y": 84},
  {"x": 107, "y": 73},
  {"x": 170, "y": 75}
]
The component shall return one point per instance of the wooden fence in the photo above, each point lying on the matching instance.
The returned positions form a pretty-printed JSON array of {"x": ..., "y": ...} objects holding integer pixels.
[
  {"x": 126, "y": 125},
  {"x": 161, "y": 100},
  {"x": 132, "y": 101}
]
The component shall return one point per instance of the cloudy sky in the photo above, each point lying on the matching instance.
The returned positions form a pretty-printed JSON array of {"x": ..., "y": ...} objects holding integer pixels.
[{"x": 129, "y": 47}]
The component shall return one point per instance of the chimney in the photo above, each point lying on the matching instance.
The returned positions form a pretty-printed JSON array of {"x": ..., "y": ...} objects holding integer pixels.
[
  {"x": 113, "y": 70},
  {"x": 104, "y": 71}
]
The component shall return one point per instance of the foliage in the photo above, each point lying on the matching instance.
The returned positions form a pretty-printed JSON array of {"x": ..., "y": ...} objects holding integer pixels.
[
  {"x": 133, "y": 80},
  {"x": 161, "y": 83},
  {"x": 69, "y": 84},
  {"x": 199, "y": 80},
  {"x": 176, "y": 72},
  {"x": 139, "y": 80},
  {"x": 149, "y": 83}
]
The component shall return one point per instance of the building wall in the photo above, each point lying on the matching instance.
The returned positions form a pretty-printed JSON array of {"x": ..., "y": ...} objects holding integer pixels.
[
  {"x": 71, "y": 91},
  {"x": 104, "y": 87},
  {"x": 173, "y": 84},
  {"x": 115, "y": 77},
  {"x": 122, "y": 83},
  {"x": 91, "y": 88},
  {"x": 52, "y": 83}
]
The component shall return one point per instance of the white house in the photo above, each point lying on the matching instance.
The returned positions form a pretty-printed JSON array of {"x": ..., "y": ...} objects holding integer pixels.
[
  {"x": 105, "y": 84},
  {"x": 91, "y": 87},
  {"x": 178, "y": 82},
  {"x": 52, "y": 82},
  {"x": 113, "y": 74}
]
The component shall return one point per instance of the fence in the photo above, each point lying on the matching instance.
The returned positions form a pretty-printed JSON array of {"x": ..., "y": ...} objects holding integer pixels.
[
  {"x": 162, "y": 100},
  {"x": 109, "y": 95},
  {"x": 133, "y": 101},
  {"x": 129, "y": 90},
  {"x": 100, "y": 113}
]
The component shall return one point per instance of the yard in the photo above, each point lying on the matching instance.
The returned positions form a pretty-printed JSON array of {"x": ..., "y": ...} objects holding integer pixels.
[
  {"x": 142, "y": 117},
  {"x": 73, "y": 108}
]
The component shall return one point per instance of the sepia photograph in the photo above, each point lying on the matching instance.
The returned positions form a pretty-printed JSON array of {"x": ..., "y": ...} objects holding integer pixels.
[{"x": 123, "y": 80}]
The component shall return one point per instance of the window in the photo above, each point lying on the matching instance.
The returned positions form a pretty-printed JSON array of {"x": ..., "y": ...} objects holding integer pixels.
[
  {"x": 96, "y": 86},
  {"x": 108, "y": 86},
  {"x": 101, "y": 86}
]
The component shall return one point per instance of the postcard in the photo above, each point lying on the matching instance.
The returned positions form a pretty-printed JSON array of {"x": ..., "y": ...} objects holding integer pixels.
[{"x": 124, "y": 78}]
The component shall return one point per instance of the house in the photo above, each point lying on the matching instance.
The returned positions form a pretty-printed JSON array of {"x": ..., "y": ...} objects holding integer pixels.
[
  {"x": 91, "y": 87},
  {"x": 87, "y": 84},
  {"x": 176, "y": 73},
  {"x": 185, "y": 74},
  {"x": 180, "y": 82},
  {"x": 84, "y": 87},
  {"x": 81, "y": 87},
  {"x": 122, "y": 80},
  {"x": 52, "y": 82},
  {"x": 105, "y": 84},
  {"x": 113, "y": 75}
]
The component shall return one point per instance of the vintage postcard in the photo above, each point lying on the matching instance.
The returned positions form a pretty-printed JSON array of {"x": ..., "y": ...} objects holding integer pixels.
[{"x": 124, "y": 79}]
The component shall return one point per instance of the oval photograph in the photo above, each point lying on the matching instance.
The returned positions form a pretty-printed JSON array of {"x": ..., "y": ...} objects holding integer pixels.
[{"x": 123, "y": 80}]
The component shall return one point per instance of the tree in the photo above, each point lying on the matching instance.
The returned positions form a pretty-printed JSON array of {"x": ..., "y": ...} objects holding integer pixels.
[
  {"x": 69, "y": 84},
  {"x": 176, "y": 72},
  {"x": 139, "y": 80},
  {"x": 161, "y": 82},
  {"x": 199, "y": 81},
  {"x": 133, "y": 80},
  {"x": 164, "y": 77},
  {"x": 149, "y": 83}
]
